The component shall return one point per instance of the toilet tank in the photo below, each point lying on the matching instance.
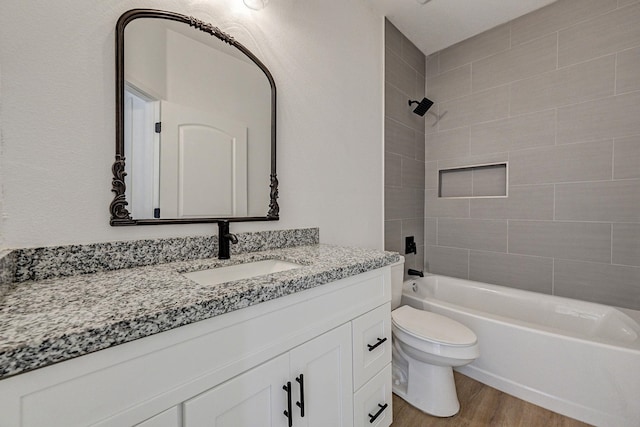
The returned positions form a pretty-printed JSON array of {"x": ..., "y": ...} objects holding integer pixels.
[{"x": 397, "y": 277}]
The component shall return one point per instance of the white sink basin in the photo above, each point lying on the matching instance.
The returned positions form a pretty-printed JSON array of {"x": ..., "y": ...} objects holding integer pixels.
[{"x": 247, "y": 270}]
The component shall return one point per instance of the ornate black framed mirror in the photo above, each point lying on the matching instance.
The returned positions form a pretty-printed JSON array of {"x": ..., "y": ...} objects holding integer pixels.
[{"x": 195, "y": 125}]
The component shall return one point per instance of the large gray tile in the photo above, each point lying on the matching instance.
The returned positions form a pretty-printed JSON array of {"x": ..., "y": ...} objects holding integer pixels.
[
  {"x": 569, "y": 85},
  {"x": 604, "y": 34},
  {"x": 556, "y": 16},
  {"x": 392, "y": 37},
  {"x": 415, "y": 228},
  {"x": 433, "y": 65},
  {"x": 421, "y": 150},
  {"x": 603, "y": 283},
  {"x": 490, "y": 181},
  {"x": 626, "y": 158},
  {"x": 622, "y": 3},
  {"x": 431, "y": 120},
  {"x": 421, "y": 259},
  {"x": 517, "y": 63},
  {"x": 431, "y": 176},
  {"x": 413, "y": 56},
  {"x": 586, "y": 241},
  {"x": 448, "y": 261},
  {"x": 437, "y": 207},
  {"x": 397, "y": 108},
  {"x": 612, "y": 117},
  {"x": 447, "y": 144},
  {"x": 626, "y": 244},
  {"x": 430, "y": 231},
  {"x": 392, "y": 169},
  {"x": 456, "y": 183},
  {"x": 491, "y": 104},
  {"x": 628, "y": 70},
  {"x": 474, "y": 48},
  {"x": 590, "y": 161},
  {"x": 400, "y": 203},
  {"x": 399, "y": 139},
  {"x": 614, "y": 201},
  {"x": 480, "y": 234},
  {"x": 514, "y": 133},
  {"x": 399, "y": 74},
  {"x": 452, "y": 84},
  {"x": 524, "y": 202},
  {"x": 420, "y": 203},
  {"x": 393, "y": 236},
  {"x": 420, "y": 88},
  {"x": 516, "y": 271},
  {"x": 412, "y": 173}
]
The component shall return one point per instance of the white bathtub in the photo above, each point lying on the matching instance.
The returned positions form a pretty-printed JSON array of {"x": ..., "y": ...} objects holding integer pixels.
[{"x": 576, "y": 358}]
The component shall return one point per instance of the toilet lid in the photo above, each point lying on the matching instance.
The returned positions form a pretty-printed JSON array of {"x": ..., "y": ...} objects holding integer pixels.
[{"x": 432, "y": 327}]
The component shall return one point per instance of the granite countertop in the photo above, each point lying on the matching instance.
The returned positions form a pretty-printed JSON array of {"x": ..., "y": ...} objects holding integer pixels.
[{"x": 48, "y": 321}]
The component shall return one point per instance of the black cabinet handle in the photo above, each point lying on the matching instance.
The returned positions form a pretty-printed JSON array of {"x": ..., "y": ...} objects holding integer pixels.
[
  {"x": 372, "y": 418},
  {"x": 288, "y": 412},
  {"x": 374, "y": 346},
  {"x": 300, "y": 404}
]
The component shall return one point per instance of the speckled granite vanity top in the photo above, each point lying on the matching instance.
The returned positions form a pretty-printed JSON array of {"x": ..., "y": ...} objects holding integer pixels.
[{"x": 55, "y": 319}]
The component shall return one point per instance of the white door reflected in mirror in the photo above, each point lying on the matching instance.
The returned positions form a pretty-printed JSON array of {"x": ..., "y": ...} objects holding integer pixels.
[{"x": 203, "y": 164}]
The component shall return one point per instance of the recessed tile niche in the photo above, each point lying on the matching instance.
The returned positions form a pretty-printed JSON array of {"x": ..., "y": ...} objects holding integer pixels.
[{"x": 487, "y": 180}]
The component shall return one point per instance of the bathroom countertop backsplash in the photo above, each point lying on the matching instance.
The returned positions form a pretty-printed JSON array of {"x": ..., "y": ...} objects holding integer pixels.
[
  {"x": 7, "y": 271},
  {"x": 95, "y": 296}
]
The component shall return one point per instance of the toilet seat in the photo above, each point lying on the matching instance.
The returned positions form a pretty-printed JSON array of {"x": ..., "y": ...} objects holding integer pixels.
[{"x": 432, "y": 327}]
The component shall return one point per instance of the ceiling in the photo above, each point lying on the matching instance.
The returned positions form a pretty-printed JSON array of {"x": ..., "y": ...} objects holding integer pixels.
[{"x": 442, "y": 23}]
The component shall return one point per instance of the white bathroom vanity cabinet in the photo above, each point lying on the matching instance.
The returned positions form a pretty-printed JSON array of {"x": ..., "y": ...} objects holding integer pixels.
[{"x": 232, "y": 370}]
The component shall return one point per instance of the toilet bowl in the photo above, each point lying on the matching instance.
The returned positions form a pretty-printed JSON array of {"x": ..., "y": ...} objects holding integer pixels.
[{"x": 426, "y": 348}]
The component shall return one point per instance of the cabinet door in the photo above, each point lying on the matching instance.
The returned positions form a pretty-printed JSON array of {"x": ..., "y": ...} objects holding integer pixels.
[
  {"x": 325, "y": 363},
  {"x": 252, "y": 399}
]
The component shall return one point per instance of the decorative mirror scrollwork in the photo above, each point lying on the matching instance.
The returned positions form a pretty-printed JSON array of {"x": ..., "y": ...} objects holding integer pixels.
[{"x": 195, "y": 125}]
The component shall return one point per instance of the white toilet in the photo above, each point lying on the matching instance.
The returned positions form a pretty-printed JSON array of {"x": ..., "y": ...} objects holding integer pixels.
[{"x": 426, "y": 347}]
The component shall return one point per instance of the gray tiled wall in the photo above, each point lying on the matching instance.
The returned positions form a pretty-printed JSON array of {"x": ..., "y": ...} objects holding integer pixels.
[
  {"x": 556, "y": 93},
  {"x": 404, "y": 166}
]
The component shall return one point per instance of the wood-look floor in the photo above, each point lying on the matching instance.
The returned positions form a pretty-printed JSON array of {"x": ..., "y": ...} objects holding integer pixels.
[{"x": 482, "y": 406}]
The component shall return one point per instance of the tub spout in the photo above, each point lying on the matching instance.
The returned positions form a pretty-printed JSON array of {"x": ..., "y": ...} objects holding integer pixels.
[{"x": 413, "y": 272}]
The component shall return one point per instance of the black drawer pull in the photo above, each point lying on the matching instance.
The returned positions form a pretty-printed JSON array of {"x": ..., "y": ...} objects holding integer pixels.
[
  {"x": 300, "y": 404},
  {"x": 288, "y": 412},
  {"x": 372, "y": 418},
  {"x": 380, "y": 341}
]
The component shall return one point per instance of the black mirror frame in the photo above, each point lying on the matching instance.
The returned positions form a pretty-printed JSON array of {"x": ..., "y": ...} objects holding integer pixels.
[{"x": 118, "y": 207}]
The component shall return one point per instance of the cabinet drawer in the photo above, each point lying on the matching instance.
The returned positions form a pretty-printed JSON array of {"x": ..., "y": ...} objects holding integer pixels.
[
  {"x": 169, "y": 418},
  {"x": 371, "y": 344},
  {"x": 372, "y": 404}
]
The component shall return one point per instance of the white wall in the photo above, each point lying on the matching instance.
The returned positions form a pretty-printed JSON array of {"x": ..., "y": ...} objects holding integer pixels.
[{"x": 57, "y": 107}]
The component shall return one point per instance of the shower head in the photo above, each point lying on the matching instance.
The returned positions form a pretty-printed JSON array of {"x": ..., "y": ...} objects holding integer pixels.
[{"x": 422, "y": 107}]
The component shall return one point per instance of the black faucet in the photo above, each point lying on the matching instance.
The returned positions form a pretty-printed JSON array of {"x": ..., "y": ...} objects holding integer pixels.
[
  {"x": 413, "y": 272},
  {"x": 224, "y": 237}
]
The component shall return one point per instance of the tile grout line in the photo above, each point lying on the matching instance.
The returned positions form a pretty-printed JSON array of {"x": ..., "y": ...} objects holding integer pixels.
[
  {"x": 611, "y": 259},
  {"x": 615, "y": 75},
  {"x": 553, "y": 276},
  {"x": 508, "y": 222},
  {"x": 613, "y": 159},
  {"x": 554, "y": 203}
]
